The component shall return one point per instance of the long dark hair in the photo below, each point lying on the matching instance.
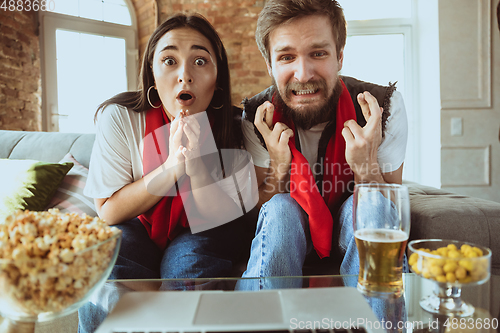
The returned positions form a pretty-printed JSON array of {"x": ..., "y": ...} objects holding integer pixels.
[{"x": 222, "y": 128}]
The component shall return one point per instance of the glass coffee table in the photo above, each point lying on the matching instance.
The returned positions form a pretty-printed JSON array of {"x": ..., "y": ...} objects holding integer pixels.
[
  {"x": 400, "y": 315},
  {"x": 403, "y": 314}
]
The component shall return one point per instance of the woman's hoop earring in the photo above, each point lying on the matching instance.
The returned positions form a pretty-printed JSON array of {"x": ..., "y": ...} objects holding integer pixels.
[
  {"x": 155, "y": 107},
  {"x": 222, "y": 105}
]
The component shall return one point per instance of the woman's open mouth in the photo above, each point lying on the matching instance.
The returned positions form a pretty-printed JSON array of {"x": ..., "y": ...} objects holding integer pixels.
[{"x": 186, "y": 98}]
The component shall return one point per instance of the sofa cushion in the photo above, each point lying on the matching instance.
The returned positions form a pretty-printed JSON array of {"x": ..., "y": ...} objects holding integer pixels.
[
  {"x": 69, "y": 197},
  {"x": 28, "y": 184}
]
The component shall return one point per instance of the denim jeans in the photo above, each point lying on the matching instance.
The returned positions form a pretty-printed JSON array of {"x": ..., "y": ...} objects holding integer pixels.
[
  {"x": 280, "y": 245},
  {"x": 282, "y": 241},
  {"x": 202, "y": 255}
]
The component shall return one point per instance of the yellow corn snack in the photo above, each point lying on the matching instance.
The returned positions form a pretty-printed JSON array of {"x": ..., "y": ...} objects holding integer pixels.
[{"x": 454, "y": 265}]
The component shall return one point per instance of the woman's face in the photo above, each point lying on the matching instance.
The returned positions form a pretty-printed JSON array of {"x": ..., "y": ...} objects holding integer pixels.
[{"x": 185, "y": 71}]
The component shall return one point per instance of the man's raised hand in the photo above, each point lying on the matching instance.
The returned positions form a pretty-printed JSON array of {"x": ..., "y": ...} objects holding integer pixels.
[
  {"x": 362, "y": 142},
  {"x": 276, "y": 138}
]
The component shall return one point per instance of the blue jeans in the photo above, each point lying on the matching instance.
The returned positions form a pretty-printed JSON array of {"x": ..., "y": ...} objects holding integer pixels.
[
  {"x": 202, "y": 255},
  {"x": 280, "y": 245},
  {"x": 282, "y": 242}
]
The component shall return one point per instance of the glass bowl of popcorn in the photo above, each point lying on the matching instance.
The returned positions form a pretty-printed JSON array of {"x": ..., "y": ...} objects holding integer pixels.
[
  {"x": 451, "y": 265},
  {"x": 51, "y": 263}
]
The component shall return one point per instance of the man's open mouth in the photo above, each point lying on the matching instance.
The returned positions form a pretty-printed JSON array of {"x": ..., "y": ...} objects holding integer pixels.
[{"x": 304, "y": 92}]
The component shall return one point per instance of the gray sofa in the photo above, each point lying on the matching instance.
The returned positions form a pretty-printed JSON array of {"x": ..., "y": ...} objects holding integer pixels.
[{"x": 434, "y": 213}]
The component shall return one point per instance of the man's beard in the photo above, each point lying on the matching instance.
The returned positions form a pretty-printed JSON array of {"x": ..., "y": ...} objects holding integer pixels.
[{"x": 307, "y": 117}]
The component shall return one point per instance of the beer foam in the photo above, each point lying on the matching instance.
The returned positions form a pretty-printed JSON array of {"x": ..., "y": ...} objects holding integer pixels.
[{"x": 381, "y": 235}]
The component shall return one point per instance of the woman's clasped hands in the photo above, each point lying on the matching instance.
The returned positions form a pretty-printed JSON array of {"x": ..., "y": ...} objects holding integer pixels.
[{"x": 184, "y": 145}]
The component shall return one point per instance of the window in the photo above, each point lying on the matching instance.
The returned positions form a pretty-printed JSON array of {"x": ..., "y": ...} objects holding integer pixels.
[
  {"x": 357, "y": 10},
  {"x": 113, "y": 11},
  {"x": 90, "y": 53},
  {"x": 380, "y": 49}
]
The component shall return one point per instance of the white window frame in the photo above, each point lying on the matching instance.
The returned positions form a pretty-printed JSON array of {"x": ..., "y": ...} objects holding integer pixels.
[
  {"x": 422, "y": 94},
  {"x": 49, "y": 23},
  {"x": 404, "y": 26}
]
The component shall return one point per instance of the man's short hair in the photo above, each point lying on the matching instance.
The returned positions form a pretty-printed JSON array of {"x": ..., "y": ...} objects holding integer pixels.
[{"x": 278, "y": 12}]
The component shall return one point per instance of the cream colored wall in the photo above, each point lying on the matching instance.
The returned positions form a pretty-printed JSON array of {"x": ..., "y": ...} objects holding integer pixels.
[{"x": 469, "y": 59}]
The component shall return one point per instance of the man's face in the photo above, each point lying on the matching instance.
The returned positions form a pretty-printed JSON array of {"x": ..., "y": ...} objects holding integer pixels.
[{"x": 304, "y": 64}]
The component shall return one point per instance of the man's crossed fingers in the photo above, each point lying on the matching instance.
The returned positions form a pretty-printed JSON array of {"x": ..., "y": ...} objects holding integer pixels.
[
  {"x": 277, "y": 134},
  {"x": 372, "y": 112},
  {"x": 362, "y": 142}
]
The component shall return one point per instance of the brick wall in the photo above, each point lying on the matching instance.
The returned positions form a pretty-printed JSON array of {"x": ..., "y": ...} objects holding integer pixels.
[
  {"x": 147, "y": 17},
  {"x": 235, "y": 21},
  {"x": 20, "y": 80}
]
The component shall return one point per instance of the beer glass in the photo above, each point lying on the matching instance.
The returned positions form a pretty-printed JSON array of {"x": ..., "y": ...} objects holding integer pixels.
[{"x": 381, "y": 219}]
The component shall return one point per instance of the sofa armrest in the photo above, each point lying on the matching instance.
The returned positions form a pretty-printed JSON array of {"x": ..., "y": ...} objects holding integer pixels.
[
  {"x": 46, "y": 146},
  {"x": 439, "y": 214}
]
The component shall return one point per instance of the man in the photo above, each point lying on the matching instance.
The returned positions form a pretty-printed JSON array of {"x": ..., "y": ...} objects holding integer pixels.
[{"x": 306, "y": 144}]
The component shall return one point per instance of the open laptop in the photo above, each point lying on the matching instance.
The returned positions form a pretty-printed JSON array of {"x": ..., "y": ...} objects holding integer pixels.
[{"x": 333, "y": 309}]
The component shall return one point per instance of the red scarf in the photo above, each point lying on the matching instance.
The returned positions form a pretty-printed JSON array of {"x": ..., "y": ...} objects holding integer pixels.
[
  {"x": 162, "y": 221},
  {"x": 303, "y": 186}
]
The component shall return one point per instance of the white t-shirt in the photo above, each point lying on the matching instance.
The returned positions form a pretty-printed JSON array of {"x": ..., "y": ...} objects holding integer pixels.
[
  {"x": 116, "y": 159},
  {"x": 390, "y": 155}
]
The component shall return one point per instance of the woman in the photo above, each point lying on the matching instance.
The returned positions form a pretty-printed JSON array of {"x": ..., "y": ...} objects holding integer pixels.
[
  {"x": 148, "y": 145},
  {"x": 156, "y": 170}
]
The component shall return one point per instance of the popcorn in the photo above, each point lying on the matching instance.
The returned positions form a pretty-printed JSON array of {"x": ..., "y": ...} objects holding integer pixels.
[{"x": 47, "y": 261}]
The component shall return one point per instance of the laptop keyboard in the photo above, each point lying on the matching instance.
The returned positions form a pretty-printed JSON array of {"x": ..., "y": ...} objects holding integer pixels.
[{"x": 335, "y": 330}]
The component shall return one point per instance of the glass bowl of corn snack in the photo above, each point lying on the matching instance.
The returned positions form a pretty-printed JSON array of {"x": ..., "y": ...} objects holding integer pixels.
[{"x": 451, "y": 265}]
